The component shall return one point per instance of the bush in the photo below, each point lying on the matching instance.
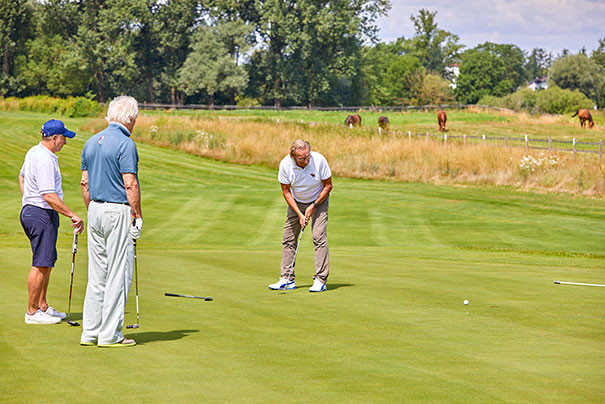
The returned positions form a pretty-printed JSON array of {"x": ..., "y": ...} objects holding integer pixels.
[
  {"x": 72, "y": 107},
  {"x": 553, "y": 100}
]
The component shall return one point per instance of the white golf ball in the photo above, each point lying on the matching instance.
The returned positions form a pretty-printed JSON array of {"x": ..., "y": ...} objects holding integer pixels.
[{"x": 465, "y": 301}]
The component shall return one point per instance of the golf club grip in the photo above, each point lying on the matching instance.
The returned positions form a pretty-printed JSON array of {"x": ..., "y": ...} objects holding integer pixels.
[{"x": 171, "y": 294}]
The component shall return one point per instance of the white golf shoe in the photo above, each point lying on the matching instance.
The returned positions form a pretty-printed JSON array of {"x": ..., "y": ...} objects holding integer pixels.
[
  {"x": 40, "y": 317},
  {"x": 52, "y": 312},
  {"x": 318, "y": 286},
  {"x": 282, "y": 284}
]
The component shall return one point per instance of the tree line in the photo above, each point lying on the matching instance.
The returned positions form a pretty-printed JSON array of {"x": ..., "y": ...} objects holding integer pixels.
[{"x": 263, "y": 52}]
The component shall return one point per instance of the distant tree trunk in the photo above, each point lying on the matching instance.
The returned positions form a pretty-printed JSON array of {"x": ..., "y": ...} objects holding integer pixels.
[
  {"x": 100, "y": 93},
  {"x": 181, "y": 97},
  {"x": 173, "y": 95},
  {"x": 150, "y": 85},
  {"x": 5, "y": 65},
  {"x": 211, "y": 101}
]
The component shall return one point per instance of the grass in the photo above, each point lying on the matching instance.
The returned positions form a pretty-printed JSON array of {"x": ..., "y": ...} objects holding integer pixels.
[
  {"x": 362, "y": 153},
  {"x": 391, "y": 328}
]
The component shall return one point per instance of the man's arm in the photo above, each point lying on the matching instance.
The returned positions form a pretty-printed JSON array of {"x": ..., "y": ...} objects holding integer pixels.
[
  {"x": 133, "y": 193},
  {"x": 22, "y": 183},
  {"x": 292, "y": 203},
  {"x": 84, "y": 186},
  {"x": 57, "y": 204},
  {"x": 323, "y": 195}
]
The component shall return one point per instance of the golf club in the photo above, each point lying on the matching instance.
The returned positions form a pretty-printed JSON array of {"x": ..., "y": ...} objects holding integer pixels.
[
  {"x": 294, "y": 259},
  {"x": 74, "y": 248},
  {"x": 207, "y": 298},
  {"x": 136, "y": 284},
  {"x": 578, "y": 284}
]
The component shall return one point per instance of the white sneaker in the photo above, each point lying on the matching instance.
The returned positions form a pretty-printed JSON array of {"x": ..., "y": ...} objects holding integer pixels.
[
  {"x": 318, "y": 286},
  {"x": 52, "y": 312},
  {"x": 282, "y": 284},
  {"x": 40, "y": 317}
]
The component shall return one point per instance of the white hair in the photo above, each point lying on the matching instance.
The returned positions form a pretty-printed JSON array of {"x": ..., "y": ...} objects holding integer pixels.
[
  {"x": 299, "y": 144},
  {"x": 122, "y": 109}
]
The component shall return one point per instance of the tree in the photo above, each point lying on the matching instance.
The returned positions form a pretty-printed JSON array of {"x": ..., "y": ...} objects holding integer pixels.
[
  {"x": 14, "y": 15},
  {"x": 210, "y": 68},
  {"x": 513, "y": 58},
  {"x": 387, "y": 71},
  {"x": 578, "y": 72},
  {"x": 429, "y": 89},
  {"x": 538, "y": 63},
  {"x": 481, "y": 73},
  {"x": 436, "y": 48}
]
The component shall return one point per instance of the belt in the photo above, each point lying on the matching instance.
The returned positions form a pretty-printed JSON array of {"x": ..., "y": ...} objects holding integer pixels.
[{"x": 119, "y": 203}]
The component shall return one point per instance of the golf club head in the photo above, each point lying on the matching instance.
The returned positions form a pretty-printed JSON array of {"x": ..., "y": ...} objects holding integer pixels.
[
  {"x": 73, "y": 323},
  {"x": 132, "y": 326},
  {"x": 208, "y": 299}
]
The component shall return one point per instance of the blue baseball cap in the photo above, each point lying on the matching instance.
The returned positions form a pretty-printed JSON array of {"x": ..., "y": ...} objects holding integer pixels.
[{"x": 56, "y": 127}]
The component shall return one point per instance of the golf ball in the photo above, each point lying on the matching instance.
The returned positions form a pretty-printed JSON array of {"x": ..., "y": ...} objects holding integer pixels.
[{"x": 465, "y": 301}]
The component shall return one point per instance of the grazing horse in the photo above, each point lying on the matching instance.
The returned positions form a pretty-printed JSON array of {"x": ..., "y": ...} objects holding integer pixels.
[
  {"x": 353, "y": 120},
  {"x": 441, "y": 118},
  {"x": 383, "y": 122},
  {"x": 584, "y": 116}
]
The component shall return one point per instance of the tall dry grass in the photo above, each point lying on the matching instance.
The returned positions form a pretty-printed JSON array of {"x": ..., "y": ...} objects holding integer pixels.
[{"x": 361, "y": 153}]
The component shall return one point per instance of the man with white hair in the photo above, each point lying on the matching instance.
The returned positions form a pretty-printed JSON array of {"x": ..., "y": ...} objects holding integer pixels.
[
  {"x": 306, "y": 182},
  {"x": 110, "y": 188}
]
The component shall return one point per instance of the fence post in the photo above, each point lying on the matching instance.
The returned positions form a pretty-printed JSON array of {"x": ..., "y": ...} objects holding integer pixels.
[
  {"x": 484, "y": 138},
  {"x": 549, "y": 145},
  {"x": 379, "y": 131},
  {"x": 464, "y": 139},
  {"x": 445, "y": 138},
  {"x": 427, "y": 136},
  {"x": 526, "y": 143},
  {"x": 409, "y": 134},
  {"x": 574, "y": 148}
]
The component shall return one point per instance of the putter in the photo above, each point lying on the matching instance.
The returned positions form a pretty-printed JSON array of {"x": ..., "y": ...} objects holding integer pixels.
[
  {"x": 74, "y": 249},
  {"x": 578, "y": 284},
  {"x": 136, "y": 284},
  {"x": 294, "y": 259},
  {"x": 207, "y": 298}
]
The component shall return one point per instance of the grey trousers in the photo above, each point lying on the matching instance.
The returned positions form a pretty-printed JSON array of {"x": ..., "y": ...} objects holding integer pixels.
[
  {"x": 319, "y": 226},
  {"x": 110, "y": 267}
]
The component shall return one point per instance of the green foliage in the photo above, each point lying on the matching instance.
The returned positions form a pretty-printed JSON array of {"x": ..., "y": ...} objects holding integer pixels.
[
  {"x": 553, "y": 100},
  {"x": 243, "y": 101},
  {"x": 72, "y": 107},
  {"x": 429, "y": 89},
  {"x": 434, "y": 47},
  {"x": 578, "y": 72}
]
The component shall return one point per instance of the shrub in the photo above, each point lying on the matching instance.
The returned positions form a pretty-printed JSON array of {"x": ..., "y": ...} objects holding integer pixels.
[
  {"x": 72, "y": 107},
  {"x": 553, "y": 100}
]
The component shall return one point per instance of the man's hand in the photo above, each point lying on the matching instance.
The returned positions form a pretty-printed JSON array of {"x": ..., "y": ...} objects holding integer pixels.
[
  {"x": 303, "y": 220},
  {"x": 309, "y": 212},
  {"x": 135, "y": 229},
  {"x": 77, "y": 223}
]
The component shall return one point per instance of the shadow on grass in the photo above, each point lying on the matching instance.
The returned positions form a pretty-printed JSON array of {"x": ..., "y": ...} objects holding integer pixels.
[
  {"x": 152, "y": 336},
  {"x": 331, "y": 286}
]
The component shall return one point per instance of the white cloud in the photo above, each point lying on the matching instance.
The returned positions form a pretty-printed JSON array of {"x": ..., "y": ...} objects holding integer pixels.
[{"x": 549, "y": 24}]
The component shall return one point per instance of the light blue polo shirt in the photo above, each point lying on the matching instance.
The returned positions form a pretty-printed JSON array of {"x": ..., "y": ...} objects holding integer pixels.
[{"x": 106, "y": 156}]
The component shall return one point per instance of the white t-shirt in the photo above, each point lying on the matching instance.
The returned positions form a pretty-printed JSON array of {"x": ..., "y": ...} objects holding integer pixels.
[
  {"x": 42, "y": 176},
  {"x": 305, "y": 183}
]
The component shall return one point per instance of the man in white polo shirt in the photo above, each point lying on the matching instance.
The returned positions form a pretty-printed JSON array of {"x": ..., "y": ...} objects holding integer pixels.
[
  {"x": 40, "y": 183},
  {"x": 306, "y": 182}
]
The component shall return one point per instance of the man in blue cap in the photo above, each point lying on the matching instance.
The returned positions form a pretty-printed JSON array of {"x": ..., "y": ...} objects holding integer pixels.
[{"x": 40, "y": 183}]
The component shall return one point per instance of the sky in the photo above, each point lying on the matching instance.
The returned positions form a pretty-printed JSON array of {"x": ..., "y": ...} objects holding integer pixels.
[{"x": 549, "y": 24}]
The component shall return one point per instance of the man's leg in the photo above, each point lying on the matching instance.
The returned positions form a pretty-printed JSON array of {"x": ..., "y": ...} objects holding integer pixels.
[
  {"x": 320, "y": 242},
  {"x": 35, "y": 286},
  {"x": 291, "y": 231},
  {"x": 120, "y": 262}
]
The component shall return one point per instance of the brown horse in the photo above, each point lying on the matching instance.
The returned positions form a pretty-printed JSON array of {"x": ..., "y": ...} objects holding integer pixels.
[
  {"x": 584, "y": 116},
  {"x": 353, "y": 120},
  {"x": 383, "y": 122},
  {"x": 441, "y": 118}
]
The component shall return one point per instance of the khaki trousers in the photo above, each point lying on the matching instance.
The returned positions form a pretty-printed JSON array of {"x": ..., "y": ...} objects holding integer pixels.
[
  {"x": 292, "y": 229},
  {"x": 110, "y": 265}
]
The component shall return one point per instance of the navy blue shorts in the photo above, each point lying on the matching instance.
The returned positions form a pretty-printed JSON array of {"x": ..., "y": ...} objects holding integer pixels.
[{"x": 41, "y": 227}]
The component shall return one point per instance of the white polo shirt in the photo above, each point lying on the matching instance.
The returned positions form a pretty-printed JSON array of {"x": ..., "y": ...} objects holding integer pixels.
[
  {"x": 42, "y": 176},
  {"x": 305, "y": 183}
]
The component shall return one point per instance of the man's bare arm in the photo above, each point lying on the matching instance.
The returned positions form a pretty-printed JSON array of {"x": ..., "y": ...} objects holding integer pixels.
[{"x": 133, "y": 193}]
